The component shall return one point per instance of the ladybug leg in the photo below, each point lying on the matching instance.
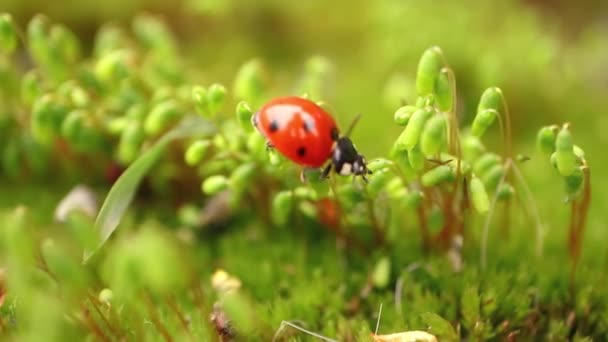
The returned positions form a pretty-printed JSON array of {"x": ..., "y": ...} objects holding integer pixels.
[
  {"x": 326, "y": 171},
  {"x": 269, "y": 146}
]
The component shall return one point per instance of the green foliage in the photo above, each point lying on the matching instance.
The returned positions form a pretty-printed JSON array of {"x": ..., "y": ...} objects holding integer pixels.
[{"x": 130, "y": 106}]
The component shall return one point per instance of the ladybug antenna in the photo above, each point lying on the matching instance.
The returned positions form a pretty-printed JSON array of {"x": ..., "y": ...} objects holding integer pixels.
[{"x": 352, "y": 125}]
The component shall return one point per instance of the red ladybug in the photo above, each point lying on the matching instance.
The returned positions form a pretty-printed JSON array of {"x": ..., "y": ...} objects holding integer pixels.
[{"x": 306, "y": 134}]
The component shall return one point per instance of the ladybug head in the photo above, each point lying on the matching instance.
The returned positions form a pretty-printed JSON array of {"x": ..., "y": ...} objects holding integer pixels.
[{"x": 347, "y": 160}]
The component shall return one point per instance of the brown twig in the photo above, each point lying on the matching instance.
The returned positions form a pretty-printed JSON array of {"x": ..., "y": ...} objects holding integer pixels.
[
  {"x": 182, "y": 319},
  {"x": 154, "y": 317},
  {"x": 92, "y": 325},
  {"x": 94, "y": 303}
]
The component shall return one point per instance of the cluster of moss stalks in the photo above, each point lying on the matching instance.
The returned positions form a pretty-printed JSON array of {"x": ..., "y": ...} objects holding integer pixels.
[{"x": 133, "y": 101}]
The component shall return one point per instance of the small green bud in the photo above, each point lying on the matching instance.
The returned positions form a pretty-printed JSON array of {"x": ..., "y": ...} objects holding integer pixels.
[
  {"x": 482, "y": 121},
  {"x": 216, "y": 96},
  {"x": 441, "y": 173},
  {"x": 306, "y": 193},
  {"x": 479, "y": 196},
  {"x": 31, "y": 87},
  {"x": 574, "y": 182},
  {"x": 154, "y": 34},
  {"x": 308, "y": 209},
  {"x": 492, "y": 176},
  {"x": 411, "y": 134},
  {"x": 275, "y": 158},
  {"x": 214, "y": 184},
  {"x": 433, "y": 137},
  {"x": 486, "y": 162},
  {"x": 250, "y": 82},
  {"x": 114, "y": 66},
  {"x": 66, "y": 43},
  {"x": 256, "y": 144},
  {"x": 443, "y": 91},
  {"x": 580, "y": 154},
  {"x": 196, "y": 152},
  {"x": 416, "y": 158},
  {"x": 564, "y": 150},
  {"x": 382, "y": 273},
  {"x": 429, "y": 67},
  {"x": 243, "y": 115},
  {"x": 505, "y": 191},
  {"x": 106, "y": 296},
  {"x": 47, "y": 116},
  {"x": 282, "y": 206},
  {"x": 472, "y": 147},
  {"x": 201, "y": 103},
  {"x": 242, "y": 176},
  {"x": 403, "y": 114},
  {"x": 379, "y": 164},
  {"x": 395, "y": 188},
  {"x": 77, "y": 130},
  {"x": 553, "y": 159},
  {"x": 545, "y": 139},
  {"x": 490, "y": 99},
  {"x": 161, "y": 117},
  {"x": 129, "y": 144},
  {"x": 377, "y": 182},
  {"x": 8, "y": 34}
]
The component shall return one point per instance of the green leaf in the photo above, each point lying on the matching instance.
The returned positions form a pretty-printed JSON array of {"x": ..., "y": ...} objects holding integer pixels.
[
  {"x": 121, "y": 194},
  {"x": 440, "y": 327}
]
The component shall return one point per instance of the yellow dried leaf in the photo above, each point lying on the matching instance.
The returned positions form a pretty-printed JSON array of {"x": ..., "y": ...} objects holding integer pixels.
[{"x": 408, "y": 336}]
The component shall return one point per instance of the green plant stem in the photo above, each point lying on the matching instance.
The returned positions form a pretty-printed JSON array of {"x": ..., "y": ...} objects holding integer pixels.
[
  {"x": 486, "y": 226},
  {"x": 531, "y": 209}
]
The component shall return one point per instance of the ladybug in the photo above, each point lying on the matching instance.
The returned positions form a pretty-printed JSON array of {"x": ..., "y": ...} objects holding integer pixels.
[{"x": 307, "y": 135}]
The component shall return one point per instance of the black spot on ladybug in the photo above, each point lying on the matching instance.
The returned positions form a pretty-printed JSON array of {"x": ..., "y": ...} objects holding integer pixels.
[
  {"x": 274, "y": 126},
  {"x": 334, "y": 134},
  {"x": 301, "y": 151}
]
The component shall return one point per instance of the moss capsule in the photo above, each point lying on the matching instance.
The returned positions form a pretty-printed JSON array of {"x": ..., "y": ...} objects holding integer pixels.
[
  {"x": 564, "y": 152},
  {"x": 482, "y": 121},
  {"x": 243, "y": 115},
  {"x": 479, "y": 196},
  {"x": 411, "y": 134},
  {"x": 416, "y": 158},
  {"x": 441, "y": 173},
  {"x": 214, "y": 184},
  {"x": 196, "y": 152},
  {"x": 492, "y": 176},
  {"x": 161, "y": 117},
  {"x": 216, "y": 95},
  {"x": 443, "y": 91},
  {"x": 433, "y": 137},
  {"x": 8, "y": 34},
  {"x": 545, "y": 139},
  {"x": 403, "y": 114},
  {"x": 574, "y": 182},
  {"x": 486, "y": 162},
  {"x": 429, "y": 66},
  {"x": 490, "y": 99}
]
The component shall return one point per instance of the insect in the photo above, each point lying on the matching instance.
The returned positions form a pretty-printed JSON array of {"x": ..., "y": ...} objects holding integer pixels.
[{"x": 307, "y": 135}]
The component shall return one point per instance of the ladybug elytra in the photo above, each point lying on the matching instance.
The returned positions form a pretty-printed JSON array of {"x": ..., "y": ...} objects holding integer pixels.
[{"x": 307, "y": 135}]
